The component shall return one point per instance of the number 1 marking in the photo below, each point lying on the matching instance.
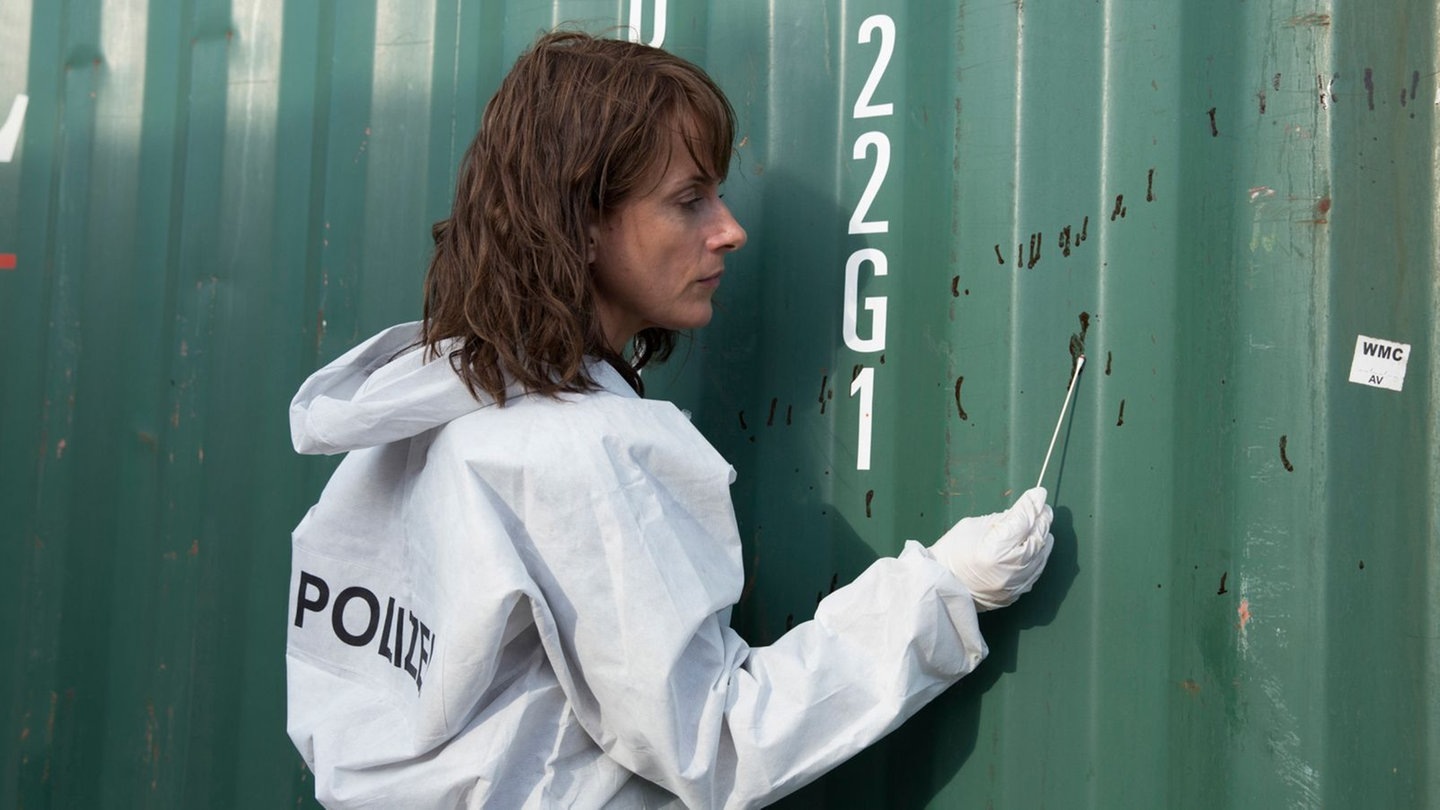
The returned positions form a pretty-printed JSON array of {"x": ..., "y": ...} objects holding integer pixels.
[{"x": 864, "y": 383}]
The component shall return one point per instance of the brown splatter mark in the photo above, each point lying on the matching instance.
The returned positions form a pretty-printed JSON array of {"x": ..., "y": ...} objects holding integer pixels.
[
  {"x": 1310, "y": 19},
  {"x": 1222, "y": 590},
  {"x": 1192, "y": 688},
  {"x": 960, "y": 409},
  {"x": 955, "y": 287},
  {"x": 1214, "y": 130},
  {"x": 869, "y": 496},
  {"x": 1035, "y": 240},
  {"x": 1077, "y": 346},
  {"x": 787, "y": 414},
  {"x": 743, "y": 426},
  {"x": 1370, "y": 88},
  {"x": 834, "y": 581},
  {"x": 1261, "y": 96},
  {"x": 789, "y": 622},
  {"x": 1414, "y": 84},
  {"x": 1275, "y": 82},
  {"x": 855, "y": 372},
  {"x": 1362, "y": 565},
  {"x": 1119, "y": 207},
  {"x": 1108, "y": 358},
  {"x": 1284, "y": 459},
  {"x": 1121, "y": 421},
  {"x": 998, "y": 257},
  {"x": 824, "y": 381},
  {"x": 967, "y": 290},
  {"x": 1150, "y": 185},
  {"x": 1084, "y": 232},
  {"x": 1065, "y": 241},
  {"x": 770, "y": 420}
]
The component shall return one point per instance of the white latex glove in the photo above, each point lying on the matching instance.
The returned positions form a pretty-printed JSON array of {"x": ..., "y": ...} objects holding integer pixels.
[{"x": 999, "y": 556}]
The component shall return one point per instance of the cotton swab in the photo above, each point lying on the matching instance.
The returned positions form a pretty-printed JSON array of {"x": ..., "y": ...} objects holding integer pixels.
[{"x": 1079, "y": 364}]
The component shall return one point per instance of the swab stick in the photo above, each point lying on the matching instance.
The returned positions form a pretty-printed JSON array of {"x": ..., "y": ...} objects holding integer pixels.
[{"x": 1079, "y": 364}]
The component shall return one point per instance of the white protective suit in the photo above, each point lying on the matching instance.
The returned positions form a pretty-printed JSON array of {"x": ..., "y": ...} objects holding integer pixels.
[{"x": 529, "y": 606}]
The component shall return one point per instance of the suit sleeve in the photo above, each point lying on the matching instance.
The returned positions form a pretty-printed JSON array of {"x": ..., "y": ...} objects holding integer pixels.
[{"x": 633, "y": 542}]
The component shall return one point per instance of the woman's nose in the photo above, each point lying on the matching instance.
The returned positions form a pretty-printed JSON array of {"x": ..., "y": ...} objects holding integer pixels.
[{"x": 729, "y": 235}]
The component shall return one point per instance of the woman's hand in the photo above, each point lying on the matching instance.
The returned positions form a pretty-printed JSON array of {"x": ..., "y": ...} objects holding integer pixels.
[{"x": 999, "y": 556}]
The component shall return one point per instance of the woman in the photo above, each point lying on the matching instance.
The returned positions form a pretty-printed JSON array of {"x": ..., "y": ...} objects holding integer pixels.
[{"x": 515, "y": 591}]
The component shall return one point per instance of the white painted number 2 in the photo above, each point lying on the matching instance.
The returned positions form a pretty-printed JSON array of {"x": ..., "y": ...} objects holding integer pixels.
[
  {"x": 864, "y": 107},
  {"x": 858, "y": 223}
]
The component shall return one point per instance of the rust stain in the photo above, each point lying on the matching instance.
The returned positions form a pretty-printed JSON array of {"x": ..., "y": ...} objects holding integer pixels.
[
  {"x": 959, "y": 381},
  {"x": 1191, "y": 687},
  {"x": 1284, "y": 459},
  {"x": 1315, "y": 20},
  {"x": 1244, "y": 613}
]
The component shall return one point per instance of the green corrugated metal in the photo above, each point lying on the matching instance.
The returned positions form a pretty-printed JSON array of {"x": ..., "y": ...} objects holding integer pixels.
[{"x": 208, "y": 199}]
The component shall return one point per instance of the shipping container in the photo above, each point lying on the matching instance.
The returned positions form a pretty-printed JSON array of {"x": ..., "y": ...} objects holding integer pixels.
[{"x": 1229, "y": 207}]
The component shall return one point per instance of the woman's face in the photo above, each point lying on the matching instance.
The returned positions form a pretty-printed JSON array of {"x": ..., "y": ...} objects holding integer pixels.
[{"x": 659, "y": 255}]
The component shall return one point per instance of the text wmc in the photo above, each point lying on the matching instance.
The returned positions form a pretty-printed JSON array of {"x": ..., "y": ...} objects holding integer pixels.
[
  {"x": 1396, "y": 353},
  {"x": 412, "y": 654}
]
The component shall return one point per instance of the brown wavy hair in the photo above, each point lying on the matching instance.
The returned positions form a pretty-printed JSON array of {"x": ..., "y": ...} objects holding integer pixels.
[{"x": 578, "y": 126}]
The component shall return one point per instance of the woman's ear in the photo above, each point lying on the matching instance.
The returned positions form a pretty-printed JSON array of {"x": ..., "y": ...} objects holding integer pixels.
[{"x": 592, "y": 232}]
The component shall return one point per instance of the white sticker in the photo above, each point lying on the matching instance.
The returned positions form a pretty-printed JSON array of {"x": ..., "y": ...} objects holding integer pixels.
[{"x": 1380, "y": 363}]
